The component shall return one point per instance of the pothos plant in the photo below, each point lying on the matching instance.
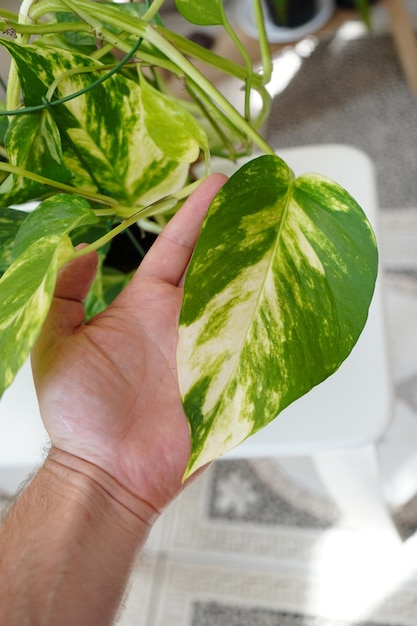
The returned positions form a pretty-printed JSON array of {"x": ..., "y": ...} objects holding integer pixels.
[{"x": 278, "y": 289}]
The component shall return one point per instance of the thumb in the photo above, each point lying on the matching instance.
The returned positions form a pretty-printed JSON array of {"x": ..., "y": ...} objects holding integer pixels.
[
  {"x": 75, "y": 278},
  {"x": 66, "y": 313}
]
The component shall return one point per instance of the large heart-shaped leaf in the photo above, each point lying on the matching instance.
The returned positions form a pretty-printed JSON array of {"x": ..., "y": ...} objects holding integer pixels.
[
  {"x": 126, "y": 164},
  {"x": 26, "y": 288},
  {"x": 276, "y": 295}
]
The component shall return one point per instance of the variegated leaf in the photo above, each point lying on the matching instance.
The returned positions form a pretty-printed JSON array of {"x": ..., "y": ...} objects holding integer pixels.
[
  {"x": 173, "y": 129},
  {"x": 55, "y": 216},
  {"x": 3, "y": 123},
  {"x": 10, "y": 222},
  {"x": 125, "y": 164},
  {"x": 27, "y": 287},
  {"x": 201, "y": 12},
  {"x": 32, "y": 143},
  {"x": 276, "y": 295},
  {"x": 26, "y": 291}
]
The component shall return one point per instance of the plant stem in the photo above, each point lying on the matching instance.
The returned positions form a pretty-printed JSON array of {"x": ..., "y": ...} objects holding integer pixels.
[
  {"x": 85, "y": 193},
  {"x": 247, "y": 60},
  {"x": 13, "y": 84},
  {"x": 191, "y": 49},
  {"x": 24, "y": 11},
  {"x": 158, "y": 207},
  {"x": 153, "y": 10},
  {"x": 42, "y": 29},
  {"x": 44, "y": 7},
  {"x": 8, "y": 15},
  {"x": 263, "y": 43}
]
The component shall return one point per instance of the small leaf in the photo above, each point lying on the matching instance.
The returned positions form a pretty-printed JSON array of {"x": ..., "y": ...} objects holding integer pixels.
[
  {"x": 26, "y": 288},
  {"x": 201, "y": 12},
  {"x": 75, "y": 40},
  {"x": 58, "y": 215},
  {"x": 32, "y": 143},
  {"x": 26, "y": 291},
  {"x": 173, "y": 129},
  {"x": 276, "y": 296}
]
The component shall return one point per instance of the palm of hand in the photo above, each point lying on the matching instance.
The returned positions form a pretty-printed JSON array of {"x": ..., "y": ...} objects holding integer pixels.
[{"x": 108, "y": 390}]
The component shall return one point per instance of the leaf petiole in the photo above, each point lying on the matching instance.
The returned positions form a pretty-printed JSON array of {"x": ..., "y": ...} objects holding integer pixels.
[{"x": 85, "y": 193}]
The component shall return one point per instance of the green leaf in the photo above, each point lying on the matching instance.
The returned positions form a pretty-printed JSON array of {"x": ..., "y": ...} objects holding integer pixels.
[
  {"x": 173, "y": 129},
  {"x": 27, "y": 287},
  {"x": 55, "y": 216},
  {"x": 125, "y": 164},
  {"x": 26, "y": 291},
  {"x": 276, "y": 296},
  {"x": 201, "y": 12},
  {"x": 75, "y": 40},
  {"x": 85, "y": 42},
  {"x": 10, "y": 222},
  {"x": 32, "y": 143}
]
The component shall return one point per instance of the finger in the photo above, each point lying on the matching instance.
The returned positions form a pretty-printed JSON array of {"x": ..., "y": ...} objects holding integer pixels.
[
  {"x": 75, "y": 278},
  {"x": 67, "y": 309},
  {"x": 171, "y": 252}
]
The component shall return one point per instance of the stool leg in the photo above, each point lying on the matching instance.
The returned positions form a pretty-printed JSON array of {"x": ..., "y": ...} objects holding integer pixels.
[
  {"x": 404, "y": 40},
  {"x": 352, "y": 478}
]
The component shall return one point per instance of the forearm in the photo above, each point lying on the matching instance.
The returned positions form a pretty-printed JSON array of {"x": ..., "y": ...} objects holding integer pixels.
[{"x": 67, "y": 547}]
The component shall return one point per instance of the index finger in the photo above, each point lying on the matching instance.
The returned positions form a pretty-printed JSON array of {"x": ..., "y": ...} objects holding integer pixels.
[{"x": 169, "y": 256}]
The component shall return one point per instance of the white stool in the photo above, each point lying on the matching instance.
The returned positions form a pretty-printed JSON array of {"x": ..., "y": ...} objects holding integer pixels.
[{"x": 23, "y": 439}]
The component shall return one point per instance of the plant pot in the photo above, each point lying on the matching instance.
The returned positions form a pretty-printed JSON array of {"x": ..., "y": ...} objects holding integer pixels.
[
  {"x": 127, "y": 250},
  {"x": 291, "y": 13},
  {"x": 303, "y": 17},
  {"x": 350, "y": 4}
]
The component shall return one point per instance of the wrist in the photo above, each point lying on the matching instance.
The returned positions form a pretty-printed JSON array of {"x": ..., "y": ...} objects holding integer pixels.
[
  {"x": 68, "y": 545},
  {"x": 97, "y": 489}
]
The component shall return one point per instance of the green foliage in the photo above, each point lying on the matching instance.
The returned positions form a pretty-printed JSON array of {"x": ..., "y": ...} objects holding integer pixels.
[
  {"x": 10, "y": 222},
  {"x": 201, "y": 12},
  {"x": 281, "y": 279},
  {"x": 41, "y": 246},
  {"x": 3, "y": 124},
  {"x": 125, "y": 164},
  {"x": 33, "y": 143}
]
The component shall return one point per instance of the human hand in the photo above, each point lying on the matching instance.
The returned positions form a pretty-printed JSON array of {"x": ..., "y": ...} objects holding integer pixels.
[{"x": 108, "y": 390}]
